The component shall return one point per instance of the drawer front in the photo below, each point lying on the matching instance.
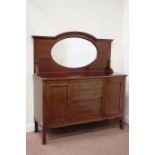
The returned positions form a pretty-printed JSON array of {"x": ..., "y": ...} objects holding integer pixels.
[
  {"x": 91, "y": 93},
  {"x": 87, "y": 84},
  {"x": 87, "y": 99},
  {"x": 84, "y": 110}
]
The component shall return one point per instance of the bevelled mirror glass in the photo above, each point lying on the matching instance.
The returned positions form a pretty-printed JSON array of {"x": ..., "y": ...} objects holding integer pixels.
[{"x": 74, "y": 52}]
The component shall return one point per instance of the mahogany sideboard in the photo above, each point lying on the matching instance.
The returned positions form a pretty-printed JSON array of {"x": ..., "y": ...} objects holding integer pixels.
[{"x": 67, "y": 96}]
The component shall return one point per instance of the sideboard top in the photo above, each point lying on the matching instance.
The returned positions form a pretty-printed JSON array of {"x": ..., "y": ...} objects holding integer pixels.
[{"x": 74, "y": 77}]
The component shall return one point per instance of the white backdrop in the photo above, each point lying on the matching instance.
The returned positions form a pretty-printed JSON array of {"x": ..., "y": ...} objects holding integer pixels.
[{"x": 102, "y": 18}]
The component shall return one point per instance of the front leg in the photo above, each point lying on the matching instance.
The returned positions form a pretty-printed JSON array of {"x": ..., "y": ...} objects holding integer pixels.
[
  {"x": 121, "y": 123},
  {"x": 44, "y": 136},
  {"x": 35, "y": 126}
]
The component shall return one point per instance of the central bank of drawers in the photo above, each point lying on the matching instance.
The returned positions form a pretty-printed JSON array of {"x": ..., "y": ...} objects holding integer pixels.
[{"x": 87, "y": 99}]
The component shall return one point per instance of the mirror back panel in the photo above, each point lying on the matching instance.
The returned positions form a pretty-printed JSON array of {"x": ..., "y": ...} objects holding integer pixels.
[{"x": 45, "y": 64}]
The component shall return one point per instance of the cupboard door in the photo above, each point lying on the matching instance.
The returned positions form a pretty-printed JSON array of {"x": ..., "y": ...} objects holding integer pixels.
[
  {"x": 58, "y": 103},
  {"x": 87, "y": 99},
  {"x": 113, "y": 96}
]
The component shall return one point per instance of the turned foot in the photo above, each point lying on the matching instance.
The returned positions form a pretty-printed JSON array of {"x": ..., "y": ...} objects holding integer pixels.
[
  {"x": 44, "y": 136},
  {"x": 36, "y": 126},
  {"x": 121, "y": 123}
]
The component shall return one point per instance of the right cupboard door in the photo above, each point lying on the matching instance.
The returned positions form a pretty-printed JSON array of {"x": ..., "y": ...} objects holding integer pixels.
[{"x": 114, "y": 96}]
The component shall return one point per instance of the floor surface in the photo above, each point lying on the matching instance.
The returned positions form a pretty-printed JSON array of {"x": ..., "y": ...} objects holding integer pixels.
[{"x": 101, "y": 138}]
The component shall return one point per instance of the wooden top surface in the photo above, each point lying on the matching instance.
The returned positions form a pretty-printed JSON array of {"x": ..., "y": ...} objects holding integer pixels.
[{"x": 74, "y": 77}]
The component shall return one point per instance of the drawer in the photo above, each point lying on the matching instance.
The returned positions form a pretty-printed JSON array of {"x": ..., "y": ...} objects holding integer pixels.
[
  {"x": 87, "y": 99},
  {"x": 89, "y": 106},
  {"x": 91, "y": 93},
  {"x": 87, "y": 84},
  {"x": 86, "y": 109},
  {"x": 87, "y": 89}
]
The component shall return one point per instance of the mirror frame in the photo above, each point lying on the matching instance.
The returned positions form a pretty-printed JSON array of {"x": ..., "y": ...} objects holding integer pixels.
[{"x": 45, "y": 64}]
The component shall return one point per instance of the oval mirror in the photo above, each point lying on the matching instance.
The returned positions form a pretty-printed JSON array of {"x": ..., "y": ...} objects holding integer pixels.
[{"x": 74, "y": 52}]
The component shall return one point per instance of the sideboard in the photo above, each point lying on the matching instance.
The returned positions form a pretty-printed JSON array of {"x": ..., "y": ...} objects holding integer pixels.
[{"x": 67, "y": 96}]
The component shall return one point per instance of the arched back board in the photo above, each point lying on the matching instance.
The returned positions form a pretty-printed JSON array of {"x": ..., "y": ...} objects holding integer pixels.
[{"x": 44, "y": 64}]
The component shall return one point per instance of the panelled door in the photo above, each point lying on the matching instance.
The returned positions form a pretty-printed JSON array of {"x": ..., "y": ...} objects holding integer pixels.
[
  {"x": 113, "y": 96},
  {"x": 58, "y": 100}
]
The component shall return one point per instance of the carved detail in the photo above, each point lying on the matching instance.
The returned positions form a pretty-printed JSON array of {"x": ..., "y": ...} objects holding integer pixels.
[
  {"x": 108, "y": 69},
  {"x": 36, "y": 67}
]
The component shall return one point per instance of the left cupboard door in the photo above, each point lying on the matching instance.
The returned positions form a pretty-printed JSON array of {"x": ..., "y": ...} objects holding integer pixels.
[{"x": 58, "y": 103}]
